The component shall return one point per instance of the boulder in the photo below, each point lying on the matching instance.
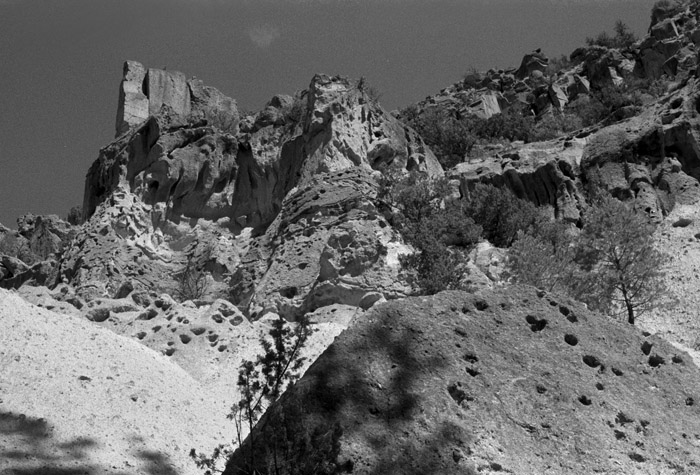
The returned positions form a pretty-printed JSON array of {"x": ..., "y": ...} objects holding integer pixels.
[{"x": 532, "y": 62}]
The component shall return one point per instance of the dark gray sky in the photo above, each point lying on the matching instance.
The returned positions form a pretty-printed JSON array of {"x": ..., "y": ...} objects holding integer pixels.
[{"x": 61, "y": 62}]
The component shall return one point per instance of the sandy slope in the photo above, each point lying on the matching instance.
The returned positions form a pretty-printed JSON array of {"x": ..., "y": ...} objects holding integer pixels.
[{"x": 77, "y": 396}]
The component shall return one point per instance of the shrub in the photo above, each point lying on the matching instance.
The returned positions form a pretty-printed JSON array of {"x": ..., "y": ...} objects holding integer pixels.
[
  {"x": 441, "y": 233},
  {"x": 618, "y": 252},
  {"x": 624, "y": 38},
  {"x": 372, "y": 93},
  {"x": 261, "y": 383},
  {"x": 450, "y": 137},
  {"x": 500, "y": 213},
  {"x": 442, "y": 240},
  {"x": 543, "y": 257},
  {"x": 554, "y": 125},
  {"x": 75, "y": 216},
  {"x": 612, "y": 265},
  {"x": 511, "y": 124},
  {"x": 192, "y": 281}
]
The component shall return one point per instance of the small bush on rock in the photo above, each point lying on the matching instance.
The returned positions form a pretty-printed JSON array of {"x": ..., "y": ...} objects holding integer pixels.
[
  {"x": 439, "y": 230},
  {"x": 624, "y": 37},
  {"x": 450, "y": 136},
  {"x": 500, "y": 213},
  {"x": 75, "y": 216}
]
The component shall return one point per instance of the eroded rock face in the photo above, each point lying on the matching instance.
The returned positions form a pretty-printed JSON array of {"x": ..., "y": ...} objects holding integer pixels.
[
  {"x": 146, "y": 92},
  {"x": 163, "y": 187},
  {"x": 329, "y": 245},
  {"x": 198, "y": 170},
  {"x": 546, "y": 173},
  {"x": 511, "y": 380},
  {"x": 652, "y": 159}
]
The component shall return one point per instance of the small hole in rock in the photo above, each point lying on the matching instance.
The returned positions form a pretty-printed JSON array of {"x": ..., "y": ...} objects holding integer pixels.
[
  {"x": 656, "y": 360},
  {"x": 473, "y": 372},
  {"x": 617, "y": 372},
  {"x": 564, "y": 310},
  {"x": 599, "y": 386},
  {"x": 536, "y": 324},
  {"x": 572, "y": 318},
  {"x": 591, "y": 361},
  {"x": 677, "y": 359},
  {"x": 623, "y": 418},
  {"x": 585, "y": 400},
  {"x": 689, "y": 401},
  {"x": 481, "y": 305},
  {"x": 541, "y": 389},
  {"x": 571, "y": 340},
  {"x": 646, "y": 348}
]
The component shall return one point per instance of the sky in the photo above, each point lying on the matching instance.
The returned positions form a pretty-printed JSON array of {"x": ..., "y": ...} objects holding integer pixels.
[{"x": 61, "y": 62}]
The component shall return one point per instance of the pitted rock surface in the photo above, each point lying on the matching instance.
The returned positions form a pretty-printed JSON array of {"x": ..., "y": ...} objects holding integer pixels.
[
  {"x": 328, "y": 245},
  {"x": 506, "y": 381}
]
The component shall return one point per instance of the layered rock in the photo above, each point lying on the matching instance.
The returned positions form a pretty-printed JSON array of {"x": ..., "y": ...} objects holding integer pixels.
[
  {"x": 513, "y": 380},
  {"x": 546, "y": 173}
]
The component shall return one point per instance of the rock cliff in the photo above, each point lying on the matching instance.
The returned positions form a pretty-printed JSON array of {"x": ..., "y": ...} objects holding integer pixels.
[{"x": 176, "y": 182}]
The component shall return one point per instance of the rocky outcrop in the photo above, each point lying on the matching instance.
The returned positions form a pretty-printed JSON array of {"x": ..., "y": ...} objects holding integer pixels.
[
  {"x": 329, "y": 245},
  {"x": 29, "y": 255},
  {"x": 652, "y": 159},
  {"x": 198, "y": 170},
  {"x": 512, "y": 380},
  {"x": 670, "y": 47},
  {"x": 534, "y": 63},
  {"x": 150, "y": 92},
  {"x": 546, "y": 173},
  {"x": 179, "y": 182}
]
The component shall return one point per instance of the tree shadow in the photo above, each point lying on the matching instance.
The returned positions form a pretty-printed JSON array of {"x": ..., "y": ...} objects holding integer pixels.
[
  {"x": 28, "y": 447},
  {"x": 371, "y": 393},
  {"x": 32, "y": 451}
]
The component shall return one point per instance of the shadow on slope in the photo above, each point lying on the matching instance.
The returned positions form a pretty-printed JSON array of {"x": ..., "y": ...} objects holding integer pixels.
[
  {"x": 361, "y": 408},
  {"x": 28, "y": 447}
]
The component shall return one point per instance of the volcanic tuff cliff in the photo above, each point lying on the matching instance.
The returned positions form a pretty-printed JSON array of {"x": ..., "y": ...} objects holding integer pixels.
[{"x": 186, "y": 179}]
